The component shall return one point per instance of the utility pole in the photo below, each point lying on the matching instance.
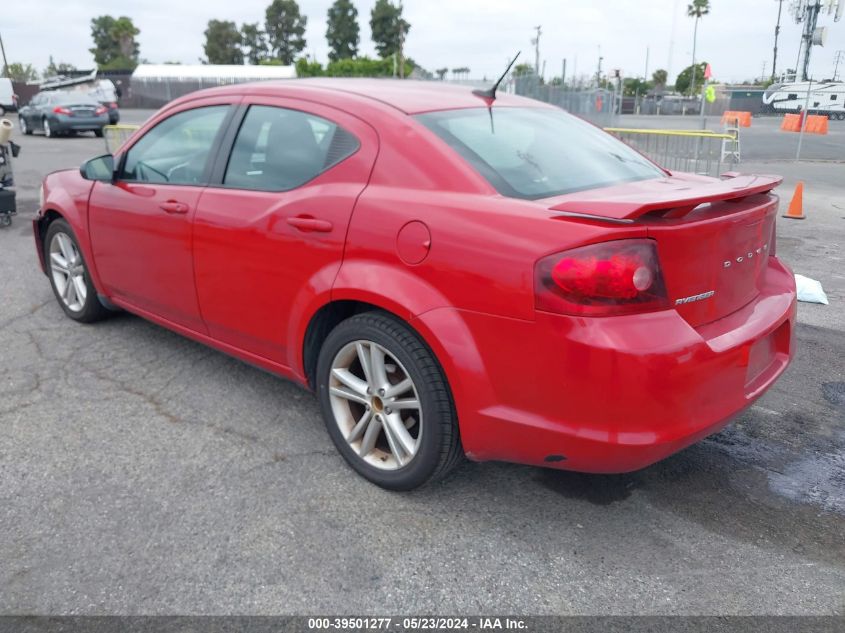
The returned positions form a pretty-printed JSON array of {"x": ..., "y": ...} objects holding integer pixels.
[
  {"x": 645, "y": 74},
  {"x": 598, "y": 70},
  {"x": 536, "y": 42},
  {"x": 777, "y": 32},
  {"x": 401, "y": 44},
  {"x": 563, "y": 74},
  {"x": 5, "y": 63}
]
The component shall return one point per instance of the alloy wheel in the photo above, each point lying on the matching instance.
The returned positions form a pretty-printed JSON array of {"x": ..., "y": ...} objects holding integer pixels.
[
  {"x": 375, "y": 404},
  {"x": 47, "y": 131},
  {"x": 68, "y": 272}
]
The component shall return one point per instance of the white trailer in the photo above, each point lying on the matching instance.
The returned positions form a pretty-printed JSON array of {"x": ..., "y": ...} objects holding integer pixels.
[{"x": 826, "y": 98}]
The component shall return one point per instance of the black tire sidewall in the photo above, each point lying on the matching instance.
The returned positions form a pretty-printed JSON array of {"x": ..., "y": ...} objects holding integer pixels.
[
  {"x": 426, "y": 461},
  {"x": 92, "y": 309}
]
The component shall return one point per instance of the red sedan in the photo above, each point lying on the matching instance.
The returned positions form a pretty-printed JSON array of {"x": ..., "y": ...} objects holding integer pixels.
[{"x": 451, "y": 274}]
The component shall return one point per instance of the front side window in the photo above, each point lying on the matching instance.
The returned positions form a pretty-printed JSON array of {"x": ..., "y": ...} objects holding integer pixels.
[
  {"x": 176, "y": 150},
  {"x": 279, "y": 149},
  {"x": 537, "y": 152}
]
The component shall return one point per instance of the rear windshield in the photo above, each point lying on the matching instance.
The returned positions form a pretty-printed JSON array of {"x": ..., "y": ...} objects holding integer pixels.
[
  {"x": 538, "y": 152},
  {"x": 75, "y": 98}
]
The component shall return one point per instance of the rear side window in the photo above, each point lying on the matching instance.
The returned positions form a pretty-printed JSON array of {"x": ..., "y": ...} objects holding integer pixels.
[
  {"x": 537, "y": 152},
  {"x": 279, "y": 149}
]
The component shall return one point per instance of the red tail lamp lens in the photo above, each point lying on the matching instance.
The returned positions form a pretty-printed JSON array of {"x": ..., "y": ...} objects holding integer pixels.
[
  {"x": 101, "y": 110},
  {"x": 616, "y": 277},
  {"x": 61, "y": 110}
]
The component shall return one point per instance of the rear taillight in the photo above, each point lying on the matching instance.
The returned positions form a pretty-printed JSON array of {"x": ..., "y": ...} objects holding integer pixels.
[
  {"x": 61, "y": 110},
  {"x": 603, "y": 279},
  {"x": 113, "y": 105},
  {"x": 101, "y": 110}
]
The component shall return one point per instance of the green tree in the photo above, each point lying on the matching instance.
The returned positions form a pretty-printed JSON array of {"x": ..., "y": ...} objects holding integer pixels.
[
  {"x": 285, "y": 28},
  {"x": 521, "y": 70},
  {"x": 683, "y": 83},
  {"x": 635, "y": 86},
  {"x": 441, "y": 73},
  {"x": 388, "y": 27},
  {"x": 658, "y": 79},
  {"x": 696, "y": 9},
  {"x": 254, "y": 42},
  {"x": 53, "y": 69},
  {"x": 365, "y": 67},
  {"x": 115, "y": 46},
  {"x": 342, "y": 30},
  {"x": 305, "y": 68},
  {"x": 20, "y": 72},
  {"x": 223, "y": 43}
]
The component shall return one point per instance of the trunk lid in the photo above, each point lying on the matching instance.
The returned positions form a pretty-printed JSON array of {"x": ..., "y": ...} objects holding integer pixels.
[
  {"x": 82, "y": 109},
  {"x": 713, "y": 236}
]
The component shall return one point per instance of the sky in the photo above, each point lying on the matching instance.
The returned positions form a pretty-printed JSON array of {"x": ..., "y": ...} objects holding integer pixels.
[{"x": 736, "y": 37}]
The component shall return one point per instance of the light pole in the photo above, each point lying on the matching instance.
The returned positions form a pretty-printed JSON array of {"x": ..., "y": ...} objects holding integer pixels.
[
  {"x": 777, "y": 32},
  {"x": 694, "y": 41}
]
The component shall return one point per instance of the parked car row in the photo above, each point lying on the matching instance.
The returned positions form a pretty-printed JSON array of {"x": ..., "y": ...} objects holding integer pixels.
[{"x": 56, "y": 113}]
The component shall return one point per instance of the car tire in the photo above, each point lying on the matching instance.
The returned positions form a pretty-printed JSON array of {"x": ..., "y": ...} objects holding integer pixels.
[
  {"x": 48, "y": 131},
  {"x": 69, "y": 275},
  {"x": 98, "y": 133},
  {"x": 22, "y": 124},
  {"x": 391, "y": 451}
]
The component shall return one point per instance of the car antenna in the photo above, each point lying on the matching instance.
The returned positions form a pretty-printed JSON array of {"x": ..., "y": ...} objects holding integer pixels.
[{"x": 490, "y": 93}]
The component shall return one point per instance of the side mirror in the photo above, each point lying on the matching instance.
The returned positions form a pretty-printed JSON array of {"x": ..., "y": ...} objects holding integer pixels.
[{"x": 100, "y": 168}]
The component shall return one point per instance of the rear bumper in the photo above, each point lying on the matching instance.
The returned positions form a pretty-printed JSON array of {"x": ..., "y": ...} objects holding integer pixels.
[
  {"x": 616, "y": 394},
  {"x": 79, "y": 124}
]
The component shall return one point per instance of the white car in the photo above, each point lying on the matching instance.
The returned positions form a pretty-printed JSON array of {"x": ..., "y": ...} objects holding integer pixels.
[{"x": 8, "y": 98}]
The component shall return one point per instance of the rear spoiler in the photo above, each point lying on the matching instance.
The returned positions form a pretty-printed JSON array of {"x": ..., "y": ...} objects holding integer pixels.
[{"x": 677, "y": 199}]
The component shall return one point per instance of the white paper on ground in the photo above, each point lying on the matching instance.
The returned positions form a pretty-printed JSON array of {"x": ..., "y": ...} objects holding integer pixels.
[{"x": 810, "y": 290}]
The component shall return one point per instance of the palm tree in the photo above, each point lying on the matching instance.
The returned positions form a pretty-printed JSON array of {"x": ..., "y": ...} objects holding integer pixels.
[{"x": 696, "y": 10}]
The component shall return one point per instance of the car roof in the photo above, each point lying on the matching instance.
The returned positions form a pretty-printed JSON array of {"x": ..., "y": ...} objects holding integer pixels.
[{"x": 408, "y": 96}]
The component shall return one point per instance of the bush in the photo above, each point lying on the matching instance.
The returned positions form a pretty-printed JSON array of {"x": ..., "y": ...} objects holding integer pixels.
[{"x": 358, "y": 67}]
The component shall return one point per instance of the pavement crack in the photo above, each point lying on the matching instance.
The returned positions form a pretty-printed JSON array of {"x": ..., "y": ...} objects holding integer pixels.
[{"x": 27, "y": 314}]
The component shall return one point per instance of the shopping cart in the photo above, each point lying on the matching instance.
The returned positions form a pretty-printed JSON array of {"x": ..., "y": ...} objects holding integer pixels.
[{"x": 8, "y": 151}]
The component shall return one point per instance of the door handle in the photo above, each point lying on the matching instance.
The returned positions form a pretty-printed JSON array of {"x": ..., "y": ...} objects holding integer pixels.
[
  {"x": 307, "y": 223},
  {"x": 171, "y": 206}
]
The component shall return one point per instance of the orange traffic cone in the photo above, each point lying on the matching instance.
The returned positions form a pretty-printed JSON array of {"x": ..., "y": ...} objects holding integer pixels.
[{"x": 796, "y": 205}]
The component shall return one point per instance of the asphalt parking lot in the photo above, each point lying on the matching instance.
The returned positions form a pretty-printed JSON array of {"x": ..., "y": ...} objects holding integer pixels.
[{"x": 144, "y": 473}]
